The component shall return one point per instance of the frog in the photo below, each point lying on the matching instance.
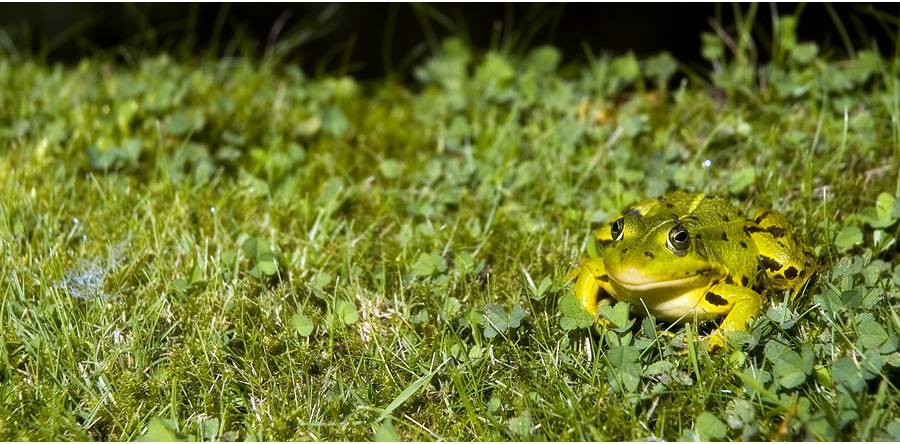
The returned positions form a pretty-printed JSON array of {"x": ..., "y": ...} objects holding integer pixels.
[{"x": 694, "y": 257}]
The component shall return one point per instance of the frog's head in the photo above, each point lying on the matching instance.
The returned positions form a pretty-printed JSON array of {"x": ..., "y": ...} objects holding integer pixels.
[{"x": 655, "y": 255}]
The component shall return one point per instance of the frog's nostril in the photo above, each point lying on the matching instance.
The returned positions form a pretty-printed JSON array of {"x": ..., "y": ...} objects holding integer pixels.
[{"x": 648, "y": 254}]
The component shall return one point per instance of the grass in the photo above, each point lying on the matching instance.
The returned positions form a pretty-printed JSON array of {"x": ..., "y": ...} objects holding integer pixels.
[{"x": 227, "y": 249}]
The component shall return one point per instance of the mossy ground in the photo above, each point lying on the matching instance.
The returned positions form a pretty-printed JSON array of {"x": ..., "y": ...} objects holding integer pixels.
[{"x": 228, "y": 249}]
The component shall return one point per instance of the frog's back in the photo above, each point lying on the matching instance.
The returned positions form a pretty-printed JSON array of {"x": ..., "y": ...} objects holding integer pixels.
[{"x": 717, "y": 226}]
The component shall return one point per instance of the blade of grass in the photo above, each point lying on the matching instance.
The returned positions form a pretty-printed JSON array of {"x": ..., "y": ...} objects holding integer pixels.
[
  {"x": 409, "y": 391},
  {"x": 841, "y": 30}
]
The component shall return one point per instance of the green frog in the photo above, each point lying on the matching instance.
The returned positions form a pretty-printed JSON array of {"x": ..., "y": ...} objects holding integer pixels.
[{"x": 692, "y": 257}]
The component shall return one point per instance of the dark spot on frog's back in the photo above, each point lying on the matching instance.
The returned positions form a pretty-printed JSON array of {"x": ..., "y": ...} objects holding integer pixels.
[
  {"x": 753, "y": 229},
  {"x": 670, "y": 206},
  {"x": 776, "y": 231},
  {"x": 725, "y": 218},
  {"x": 648, "y": 254},
  {"x": 729, "y": 280},
  {"x": 633, "y": 212},
  {"x": 745, "y": 281},
  {"x": 791, "y": 273},
  {"x": 661, "y": 199},
  {"x": 762, "y": 216},
  {"x": 743, "y": 244},
  {"x": 715, "y": 299},
  {"x": 724, "y": 237},
  {"x": 769, "y": 263}
]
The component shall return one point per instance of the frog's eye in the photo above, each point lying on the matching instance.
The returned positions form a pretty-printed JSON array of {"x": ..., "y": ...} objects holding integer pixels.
[
  {"x": 679, "y": 239},
  {"x": 617, "y": 228}
]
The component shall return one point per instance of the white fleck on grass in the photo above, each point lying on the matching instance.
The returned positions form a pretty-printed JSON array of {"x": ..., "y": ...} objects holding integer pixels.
[
  {"x": 373, "y": 319},
  {"x": 85, "y": 281}
]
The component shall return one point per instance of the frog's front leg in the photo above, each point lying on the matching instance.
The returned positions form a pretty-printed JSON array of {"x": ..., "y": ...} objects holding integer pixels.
[
  {"x": 738, "y": 304},
  {"x": 592, "y": 284}
]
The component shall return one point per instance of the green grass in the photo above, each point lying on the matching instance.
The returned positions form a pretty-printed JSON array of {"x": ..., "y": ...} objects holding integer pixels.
[{"x": 227, "y": 249}]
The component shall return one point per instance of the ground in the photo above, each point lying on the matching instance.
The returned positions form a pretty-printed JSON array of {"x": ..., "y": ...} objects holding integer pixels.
[{"x": 230, "y": 249}]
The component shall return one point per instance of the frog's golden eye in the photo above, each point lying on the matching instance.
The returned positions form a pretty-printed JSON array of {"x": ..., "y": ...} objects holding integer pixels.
[
  {"x": 679, "y": 239},
  {"x": 617, "y": 228}
]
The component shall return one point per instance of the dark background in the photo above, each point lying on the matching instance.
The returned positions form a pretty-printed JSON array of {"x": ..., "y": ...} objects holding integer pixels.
[{"x": 352, "y": 38}]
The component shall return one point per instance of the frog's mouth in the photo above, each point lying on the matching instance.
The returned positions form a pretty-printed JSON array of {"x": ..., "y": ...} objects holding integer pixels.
[
  {"x": 638, "y": 282},
  {"x": 690, "y": 282}
]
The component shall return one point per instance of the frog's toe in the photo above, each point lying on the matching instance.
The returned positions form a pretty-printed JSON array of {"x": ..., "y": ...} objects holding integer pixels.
[
  {"x": 668, "y": 333},
  {"x": 716, "y": 343},
  {"x": 574, "y": 272}
]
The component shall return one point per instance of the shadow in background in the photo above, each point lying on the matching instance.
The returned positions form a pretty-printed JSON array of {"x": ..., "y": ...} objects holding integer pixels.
[{"x": 69, "y": 31}]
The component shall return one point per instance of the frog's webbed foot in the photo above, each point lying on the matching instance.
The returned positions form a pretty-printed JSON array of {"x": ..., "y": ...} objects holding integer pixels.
[
  {"x": 576, "y": 270},
  {"x": 738, "y": 304},
  {"x": 716, "y": 342}
]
